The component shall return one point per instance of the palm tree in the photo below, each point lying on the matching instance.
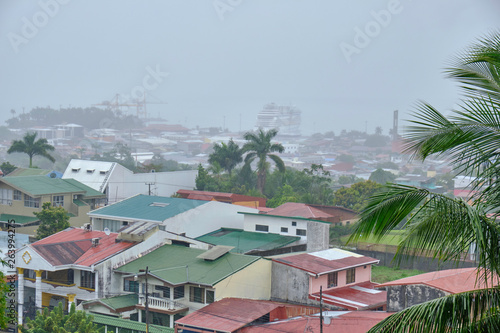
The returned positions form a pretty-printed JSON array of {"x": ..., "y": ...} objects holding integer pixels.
[
  {"x": 228, "y": 156},
  {"x": 29, "y": 146},
  {"x": 443, "y": 226},
  {"x": 259, "y": 146}
]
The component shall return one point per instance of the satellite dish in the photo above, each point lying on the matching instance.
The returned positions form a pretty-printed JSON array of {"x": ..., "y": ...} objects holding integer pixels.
[
  {"x": 53, "y": 175},
  {"x": 107, "y": 231}
]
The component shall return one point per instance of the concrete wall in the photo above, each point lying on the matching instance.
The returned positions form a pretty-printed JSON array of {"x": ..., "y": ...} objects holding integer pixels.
[
  {"x": 275, "y": 224},
  {"x": 289, "y": 284},
  {"x": 362, "y": 274},
  {"x": 318, "y": 236},
  {"x": 254, "y": 281},
  {"x": 402, "y": 297}
]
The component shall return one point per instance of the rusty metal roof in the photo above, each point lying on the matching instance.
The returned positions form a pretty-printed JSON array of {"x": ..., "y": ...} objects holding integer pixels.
[{"x": 74, "y": 246}]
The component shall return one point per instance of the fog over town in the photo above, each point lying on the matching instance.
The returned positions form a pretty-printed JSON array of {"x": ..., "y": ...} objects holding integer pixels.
[{"x": 345, "y": 65}]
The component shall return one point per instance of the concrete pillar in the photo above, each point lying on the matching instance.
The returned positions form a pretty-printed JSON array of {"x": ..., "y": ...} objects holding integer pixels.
[
  {"x": 20, "y": 295},
  {"x": 38, "y": 287},
  {"x": 71, "y": 300},
  {"x": 171, "y": 320},
  {"x": 96, "y": 282}
]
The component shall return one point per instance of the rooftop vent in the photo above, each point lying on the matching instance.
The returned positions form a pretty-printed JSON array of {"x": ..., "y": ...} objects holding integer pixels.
[
  {"x": 95, "y": 242},
  {"x": 159, "y": 204},
  {"x": 90, "y": 170},
  {"x": 102, "y": 172},
  {"x": 75, "y": 169}
]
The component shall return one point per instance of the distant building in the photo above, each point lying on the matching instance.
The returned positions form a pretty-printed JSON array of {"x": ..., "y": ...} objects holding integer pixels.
[
  {"x": 286, "y": 119},
  {"x": 232, "y": 198}
]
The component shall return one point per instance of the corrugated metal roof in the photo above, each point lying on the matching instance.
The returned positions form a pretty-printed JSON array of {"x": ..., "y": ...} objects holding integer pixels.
[
  {"x": 18, "y": 219},
  {"x": 119, "y": 302},
  {"x": 316, "y": 263},
  {"x": 143, "y": 208},
  {"x": 74, "y": 246},
  {"x": 178, "y": 264},
  {"x": 129, "y": 324},
  {"x": 245, "y": 241},
  {"x": 39, "y": 185},
  {"x": 343, "y": 322},
  {"x": 228, "y": 314},
  {"x": 20, "y": 172},
  {"x": 215, "y": 252},
  {"x": 450, "y": 280},
  {"x": 79, "y": 170},
  {"x": 284, "y": 217},
  {"x": 361, "y": 296}
]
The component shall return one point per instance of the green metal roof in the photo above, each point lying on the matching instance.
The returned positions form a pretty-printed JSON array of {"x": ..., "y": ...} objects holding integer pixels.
[
  {"x": 79, "y": 202},
  {"x": 285, "y": 217},
  {"x": 178, "y": 264},
  {"x": 18, "y": 219},
  {"x": 129, "y": 324},
  {"x": 29, "y": 172},
  {"x": 143, "y": 207},
  {"x": 119, "y": 302},
  {"x": 245, "y": 241},
  {"x": 40, "y": 185}
]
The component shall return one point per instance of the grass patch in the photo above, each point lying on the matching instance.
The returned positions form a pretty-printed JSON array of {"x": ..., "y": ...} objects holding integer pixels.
[
  {"x": 392, "y": 238},
  {"x": 382, "y": 274}
]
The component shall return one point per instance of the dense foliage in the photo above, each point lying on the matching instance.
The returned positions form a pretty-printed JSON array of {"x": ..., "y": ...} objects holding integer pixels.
[{"x": 52, "y": 220}]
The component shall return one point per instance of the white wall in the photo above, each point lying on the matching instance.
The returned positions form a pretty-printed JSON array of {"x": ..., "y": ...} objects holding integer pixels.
[
  {"x": 275, "y": 224},
  {"x": 207, "y": 218}
]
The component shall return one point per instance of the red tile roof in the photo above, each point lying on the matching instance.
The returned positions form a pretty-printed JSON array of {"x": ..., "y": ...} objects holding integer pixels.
[
  {"x": 314, "y": 264},
  {"x": 339, "y": 322},
  {"x": 74, "y": 246},
  {"x": 361, "y": 296},
  {"x": 451, "y": 280},
  {"x": 318, "y": 212}
]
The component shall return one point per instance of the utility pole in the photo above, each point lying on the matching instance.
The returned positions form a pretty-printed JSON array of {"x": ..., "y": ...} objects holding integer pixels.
[
  {"x": 320, "y": 308},
  {"x": 149, "y": 187},
  {"x": 146, "y": 305}
]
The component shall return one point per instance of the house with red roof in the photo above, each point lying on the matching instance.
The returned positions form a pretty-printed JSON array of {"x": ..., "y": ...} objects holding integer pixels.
[
  {"x": 421, "y": 288},
  {"x": 343, "y": 277},
  {"x": 76, "y": 264},
  {"x": 232, "y": 198},
  {"x": 333, "y": 214},
  {"x": 234, "y": 314}
]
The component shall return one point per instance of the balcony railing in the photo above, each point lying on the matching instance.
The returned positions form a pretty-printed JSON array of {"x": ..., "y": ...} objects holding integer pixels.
[{"x": 161, "y": 303}]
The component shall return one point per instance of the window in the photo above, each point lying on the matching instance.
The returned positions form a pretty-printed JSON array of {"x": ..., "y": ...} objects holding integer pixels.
[
  {"x": 31, "y": 202},
  {"x": 283, "y": 229},
  {"x": 165, "y": 291},
  {"x": 196, "y": 294},
  {"x": 210, "y": 296},
  {"x": 179, "y": 292},
  {"x": 5, "y": 196},
  {"x": 18, "y": 195},
  {"x": 301, "y": 232},
  {"x": 58, "y": 200},
  {"x": 87, "y": 279},
  {"x": 294, "y": 224},
  {"x": 332, "y": 279},
  {"x": 131, "y": 285},
  {"x": 350, "y": 276},
  {"x": 259, "y": 227}
]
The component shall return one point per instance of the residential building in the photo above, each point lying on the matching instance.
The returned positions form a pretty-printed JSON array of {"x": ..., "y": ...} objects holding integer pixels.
[
  {"x": 21, "y": 196},
  {"x": 35, "y": 172},
  {"x": 76, "y": 264},
  {"x": 343, "y": 277},
  {"x": 421, "y": 288},
  {"x": 234, "y": 314},
  {"x": 235, "y": 199},
  {"x": 314, "y": 234},
  {"x": 334, "y": 214},
  {"x": 180, "y": 280},
  {"x": 193, "y": 218},
  {"x": 119, "y": 183}
]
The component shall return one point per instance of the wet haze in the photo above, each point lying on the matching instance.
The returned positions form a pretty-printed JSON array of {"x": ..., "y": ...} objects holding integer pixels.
[{"x": 225, "y": 59}]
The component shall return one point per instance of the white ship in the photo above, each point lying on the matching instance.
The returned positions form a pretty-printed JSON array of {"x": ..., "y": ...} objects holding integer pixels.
[{"x": 286, "y": 119}]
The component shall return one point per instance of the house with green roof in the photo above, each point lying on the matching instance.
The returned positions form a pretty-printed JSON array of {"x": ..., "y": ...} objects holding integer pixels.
[
  {"x": 192, "y": 218},
  {"x": 20, "y": 196},
  {"x": 180, "y": 280}
]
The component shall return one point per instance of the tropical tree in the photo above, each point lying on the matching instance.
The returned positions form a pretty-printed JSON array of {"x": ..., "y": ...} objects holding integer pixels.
[
  {"x": 259, "y": 146},
  {"x": 29, "y": 145},
  {"x": 228, "y": 156},
  {"x": 52, "y": 220},
  {"x": 448, "y": 227}
]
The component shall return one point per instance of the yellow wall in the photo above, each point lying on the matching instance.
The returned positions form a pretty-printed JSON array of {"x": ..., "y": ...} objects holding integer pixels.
[{"x": 254, "y": 281}]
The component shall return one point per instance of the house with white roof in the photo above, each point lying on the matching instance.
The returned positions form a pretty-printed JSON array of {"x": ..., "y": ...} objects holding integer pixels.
[{"x": 119, "y": 183}]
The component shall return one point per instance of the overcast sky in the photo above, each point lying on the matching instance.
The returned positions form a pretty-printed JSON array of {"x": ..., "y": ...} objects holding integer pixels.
[{"x": 345, "y": 64}]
